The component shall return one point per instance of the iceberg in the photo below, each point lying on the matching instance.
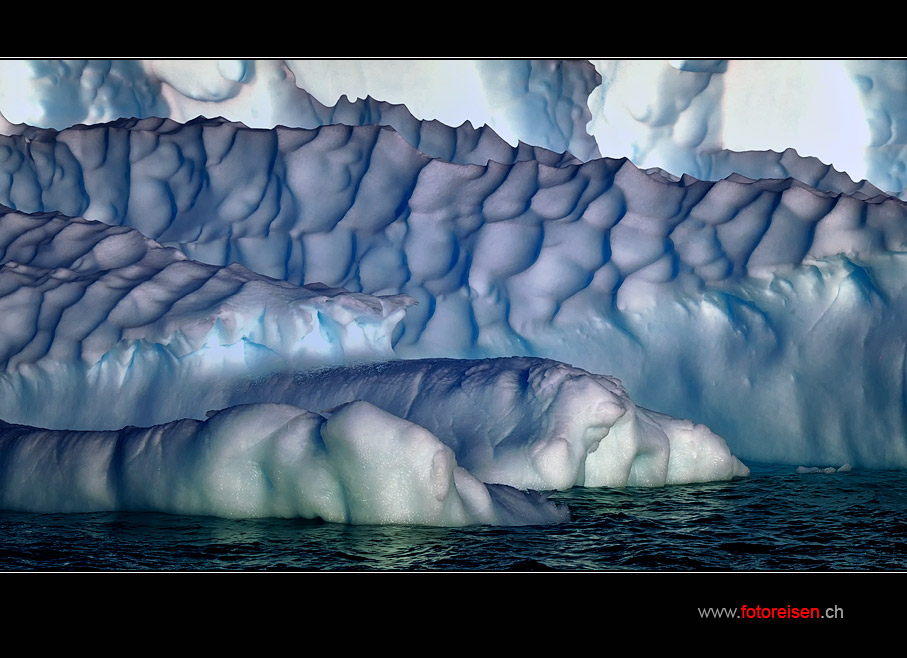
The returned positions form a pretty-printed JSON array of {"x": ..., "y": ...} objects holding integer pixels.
[
  {"x": 361, "y": 258},
  {"x": 677, "y": 115},
  {"x": 94, "y": 313}
]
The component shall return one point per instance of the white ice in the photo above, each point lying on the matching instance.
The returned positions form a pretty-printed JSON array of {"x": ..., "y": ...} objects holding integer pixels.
[
  {"x": 360, "y": 466},
  {"x": 94, "y": 313},
  {"x": 542, "y": 103}
]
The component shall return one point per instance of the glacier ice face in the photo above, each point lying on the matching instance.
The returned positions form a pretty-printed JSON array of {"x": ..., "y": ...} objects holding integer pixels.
[{"x": 361, "y": 466}]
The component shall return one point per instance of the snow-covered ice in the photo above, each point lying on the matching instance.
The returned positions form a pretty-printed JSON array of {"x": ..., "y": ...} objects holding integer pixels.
[{"x": 757, "y": 293}]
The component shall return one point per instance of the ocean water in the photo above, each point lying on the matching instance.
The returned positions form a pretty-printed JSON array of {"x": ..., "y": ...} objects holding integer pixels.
[{"x": 776, "y": 520}]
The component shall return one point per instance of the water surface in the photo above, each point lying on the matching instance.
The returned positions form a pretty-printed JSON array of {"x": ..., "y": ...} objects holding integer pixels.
[{"x": 775, "y": 520}]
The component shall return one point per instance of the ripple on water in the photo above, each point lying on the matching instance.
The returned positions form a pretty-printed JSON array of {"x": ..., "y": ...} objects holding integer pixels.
[{"x": 776, "y": 519}]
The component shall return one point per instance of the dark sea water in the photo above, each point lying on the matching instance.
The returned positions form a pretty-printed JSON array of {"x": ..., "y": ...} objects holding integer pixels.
[{"x": 776, "y": 520}]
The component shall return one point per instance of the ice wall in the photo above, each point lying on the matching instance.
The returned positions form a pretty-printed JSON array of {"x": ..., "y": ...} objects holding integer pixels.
[
  {"x": 718, "y": 301},
  {"x": 116, "y": 330},
  {"x": 715, "y": 301}
]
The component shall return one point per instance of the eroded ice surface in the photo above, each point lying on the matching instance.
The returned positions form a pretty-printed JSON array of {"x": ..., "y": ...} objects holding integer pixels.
[
  {"x": 527, "y": 422},
  {"x": 94, "y": 313},
  {"x": 717, "y": 301},
  {"x": 361, "y": 465}
]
